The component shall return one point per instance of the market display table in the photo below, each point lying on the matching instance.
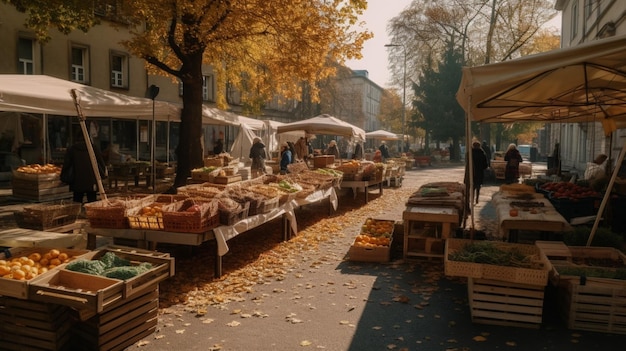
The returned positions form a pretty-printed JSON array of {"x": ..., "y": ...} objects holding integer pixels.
[
  {"x": 499, "y": 167},
  {"x": 355, "y": 185},
  {"x": 20, "y": 237},
  {"x": 425, "y": 227},
  {"x": 543, "y": 218},
  {"x": 221, "y": 234}
]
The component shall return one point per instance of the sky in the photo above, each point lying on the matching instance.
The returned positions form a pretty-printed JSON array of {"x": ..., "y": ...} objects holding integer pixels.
[{"x": 375, "y": 58}]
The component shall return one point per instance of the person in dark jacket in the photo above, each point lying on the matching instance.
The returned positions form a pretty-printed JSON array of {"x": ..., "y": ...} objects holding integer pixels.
[
  {"x": 285, "y": 158},
  {"x": 479, "y": 165},
  {"x": 258, "y": 156},
  {"x": 333, "y": 150},
  {"x": 513, "y": 158},
  {"x": 384, "y": 150},
  {"x": 358, "y": 152},
  {"x": 78, "y": 173},
  {"x": 487, "y": 152}
]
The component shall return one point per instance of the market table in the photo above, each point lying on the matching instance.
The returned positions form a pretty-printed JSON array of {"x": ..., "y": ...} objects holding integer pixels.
[
  {"x": 546, "y": 218},
  {"x": 221, "y": 234},
  {"x": 20, "y": 237},
  {"x": 355, "y": 185}
]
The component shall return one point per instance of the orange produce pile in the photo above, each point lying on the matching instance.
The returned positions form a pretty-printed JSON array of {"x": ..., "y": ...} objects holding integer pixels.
[{"x": 28, "y": 267}]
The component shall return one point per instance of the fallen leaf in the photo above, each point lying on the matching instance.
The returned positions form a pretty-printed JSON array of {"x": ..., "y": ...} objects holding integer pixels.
[
  {"x": 305, "y": 343},
  {"x": 391, "y": 346},
  {"x": 233, "y": 324},
  {"x": 180, "y": 331},
  {"x": 377, "y": 328},
  {"x": 344, "y": 322},
  {"x": 479, "y": 338},
  {"x": 160, "y": 336},
  {"x": 511, "y": 343},
  {"x": 208, "y": 321},
  {"x": 143, "y": 343}
]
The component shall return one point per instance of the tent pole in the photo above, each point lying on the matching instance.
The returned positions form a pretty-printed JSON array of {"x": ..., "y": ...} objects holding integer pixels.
[
  {"x": 469, "y": 167},
  {"x": 92, "y": 155},
  {"x": 607, "y": 194}
]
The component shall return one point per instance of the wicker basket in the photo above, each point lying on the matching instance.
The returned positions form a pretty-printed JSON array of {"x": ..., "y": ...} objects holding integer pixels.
[
  {"x": 111, "y": 213},
  {"x": 138, "y": 220},
  {"x": 230, "y": 218},
  {"x": 176, "y": 218},
  {"x": 500, "y": 273},
  {"x": 47, "y": 216}
]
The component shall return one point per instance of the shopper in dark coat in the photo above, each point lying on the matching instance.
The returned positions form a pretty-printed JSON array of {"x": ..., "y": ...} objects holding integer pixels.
[
  {"x": 384, "y": 150},
  {"x": 487, "y": 151},
  {"x": 285, "y": 158},
  {"x": 78, "y": 173},
  {"x": 479, "y": 165},
  {"x": 513, "y": 158},
  {"x": 258, "y": 156}
]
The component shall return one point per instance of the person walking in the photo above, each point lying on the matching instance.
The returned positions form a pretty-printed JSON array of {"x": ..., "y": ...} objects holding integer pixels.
[
  {"x": 384, "y": 150},
  {"x": 513, "y": 158},
  {"x": 78, "y": 172},
  {"x": 302, "y": 149},
  {"x": 487, "y": 151},
  {"x": 479, "y": 165},
  {"x": 285, "y": 158},
  {"x": 258, "y": 156},
  {"x": 358, "y": 152}
]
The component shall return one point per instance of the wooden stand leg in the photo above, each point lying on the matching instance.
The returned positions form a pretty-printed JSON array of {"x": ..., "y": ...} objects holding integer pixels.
[{"x": 218, "y": 264}]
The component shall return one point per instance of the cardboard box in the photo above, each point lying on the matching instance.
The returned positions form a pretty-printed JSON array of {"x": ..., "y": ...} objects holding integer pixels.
[{"x": 369, "y": 254}]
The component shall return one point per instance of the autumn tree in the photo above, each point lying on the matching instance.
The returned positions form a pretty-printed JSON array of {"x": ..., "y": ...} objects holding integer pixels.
[
  {"x": 260, "y": 47},
  {"x": 436, "y": 110},
  {"x": 485, "y": 31}
]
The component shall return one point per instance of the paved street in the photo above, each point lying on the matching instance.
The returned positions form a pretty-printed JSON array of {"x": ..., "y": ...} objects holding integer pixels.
[{"x": 304, "y": 295}]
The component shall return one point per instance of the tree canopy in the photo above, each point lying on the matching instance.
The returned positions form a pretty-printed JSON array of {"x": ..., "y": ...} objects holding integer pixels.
[{"x": 262, "y": 48}]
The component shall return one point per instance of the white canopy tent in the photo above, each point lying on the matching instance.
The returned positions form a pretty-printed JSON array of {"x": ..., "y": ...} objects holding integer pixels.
[
  {"x": 382, "y": 135},
  {"x": 584, "y": 83},
  {"x": 49, "y": 95},
  {"x": 324, "y": 124}
]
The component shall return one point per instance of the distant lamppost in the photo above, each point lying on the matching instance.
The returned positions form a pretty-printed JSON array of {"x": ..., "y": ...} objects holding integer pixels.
[
  {"x": 403, "y": 92},
  {"x": 153, "y": 91}
]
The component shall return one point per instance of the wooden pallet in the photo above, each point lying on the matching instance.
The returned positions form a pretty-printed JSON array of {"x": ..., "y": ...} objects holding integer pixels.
[
  {"x": 599, "y": 305},
  {"x": 504, "y": 303},
  {"x": 119, "y": 327},
  {"x": 29, "y": 325}
]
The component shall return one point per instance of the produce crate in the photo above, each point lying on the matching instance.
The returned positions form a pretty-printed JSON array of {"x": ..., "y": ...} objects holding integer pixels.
[
  {"x": 528, "y": 276},
  {"x": 20, "y": 288},
  {"x": 47, "y": 216},
  {"x": 122, "y": 325},
  {"x": 323, "y": 161},
  {"x": 203, "y": 176},
  {"x": 162, "y": 268},
  {"x": 504, "y": 303},
  {"x": 30, "y": 325},
  {"x": 214, "y": 162},
  {"x": 178, "y": 218},
  {"x": 230, "y": 218},
  {"x": 604, "y": 263},
  {"x": 369, "y": 254},
  {"x": 227, "y": 179},
  {"x": 76, "y": 290},
  {"x": 593, "y": 304},
  {"x": 43, "y": 195},
  {"x": 111, "y": 213}
]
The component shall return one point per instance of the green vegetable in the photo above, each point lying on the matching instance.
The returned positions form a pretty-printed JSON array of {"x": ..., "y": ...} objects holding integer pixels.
[
  {"x": 127, "y": 272},
  {"x": 86, "y": 266}
]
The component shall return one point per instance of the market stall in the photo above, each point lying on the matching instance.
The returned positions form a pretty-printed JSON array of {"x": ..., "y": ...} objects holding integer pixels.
[{"x": 528, "y": 211}]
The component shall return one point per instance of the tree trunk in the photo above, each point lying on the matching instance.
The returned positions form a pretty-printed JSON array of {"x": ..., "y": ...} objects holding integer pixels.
[{"x": 189, "y": 150}]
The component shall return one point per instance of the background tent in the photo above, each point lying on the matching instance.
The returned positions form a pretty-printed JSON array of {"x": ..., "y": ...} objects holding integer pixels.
[
  {"x": 583, "y": 83},
  {"x": 381, "y": 135},
  {"x": 324, "y": 124}
]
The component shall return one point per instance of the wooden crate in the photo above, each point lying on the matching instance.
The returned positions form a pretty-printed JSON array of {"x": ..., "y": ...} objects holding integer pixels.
[
  {"x": 504, "y": 303},
  {"x": 77, "y": 290},
  {"x": 122, "y": 325},
  {"x": 228, "y": 179},
  {"x": 43, "y": 195},
  {"x": 21, "y": 288},
  {"x": 597, "y": 305},
  {"x": 369, "y": 254},
  {"x": 163, "y": 267},
  {"x": 538, "y": 276},
  {"x": 30, "y": 325}
]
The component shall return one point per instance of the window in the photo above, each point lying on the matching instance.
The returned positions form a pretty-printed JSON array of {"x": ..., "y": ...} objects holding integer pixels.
[
  {"x": 25, "y": 53},
  {"x": 119, "y": 70},
  {"x": 588, "y": 8},
  {"x": 79, "y": 68},
  {"x": 574, "y": 19},
  {"x": 207, "y": 88}
]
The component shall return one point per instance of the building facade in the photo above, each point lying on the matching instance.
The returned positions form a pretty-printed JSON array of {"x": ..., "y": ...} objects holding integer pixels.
[
  {"x": 97, "y": 58},
  {"x": 583, "y": 21}
]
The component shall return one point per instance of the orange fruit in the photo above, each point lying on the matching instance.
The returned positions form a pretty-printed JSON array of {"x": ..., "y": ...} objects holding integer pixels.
[{"x": 54, "y": 253}]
